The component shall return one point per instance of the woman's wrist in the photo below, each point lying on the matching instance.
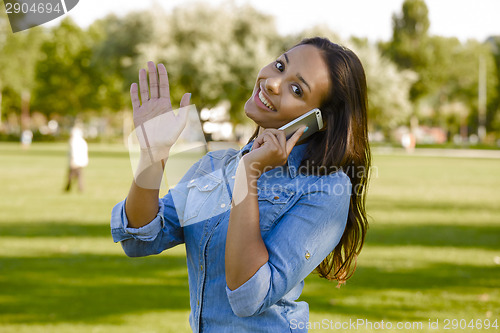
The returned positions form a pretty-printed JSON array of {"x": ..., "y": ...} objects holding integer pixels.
[
  {"x": 153, "y": 155},
  {"x": 149, "y": 172},
  {"x": 253, "y": 169}
]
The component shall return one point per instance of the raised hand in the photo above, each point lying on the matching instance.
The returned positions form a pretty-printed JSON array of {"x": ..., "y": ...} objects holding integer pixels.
[{"x": 157, "y": 127}]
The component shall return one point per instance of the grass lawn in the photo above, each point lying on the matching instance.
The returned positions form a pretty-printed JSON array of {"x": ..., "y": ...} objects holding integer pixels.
[{"x": 432, "y": 251}]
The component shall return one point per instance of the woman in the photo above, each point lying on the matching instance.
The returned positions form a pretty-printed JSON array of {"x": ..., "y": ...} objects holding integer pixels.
[{"x": 258, "y": 221}]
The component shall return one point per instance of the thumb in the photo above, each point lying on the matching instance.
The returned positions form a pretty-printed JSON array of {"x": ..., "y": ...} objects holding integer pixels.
[
  {"x": 295, "y": 138},
  {"x": 182, "y": 116},
  {"x": 185, "y": 99}
]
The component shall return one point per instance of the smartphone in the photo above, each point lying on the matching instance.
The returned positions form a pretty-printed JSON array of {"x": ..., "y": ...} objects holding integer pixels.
[{"x": 311, "y": 119}]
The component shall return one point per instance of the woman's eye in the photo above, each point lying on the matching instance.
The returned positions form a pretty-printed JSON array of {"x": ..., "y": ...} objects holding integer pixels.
[
  {"x": 279, "y": 65},
  {"x": 296, "y": 90}
]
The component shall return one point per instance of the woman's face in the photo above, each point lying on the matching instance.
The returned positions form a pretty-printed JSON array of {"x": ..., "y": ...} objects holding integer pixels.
[{"x": 289, "y": 87}]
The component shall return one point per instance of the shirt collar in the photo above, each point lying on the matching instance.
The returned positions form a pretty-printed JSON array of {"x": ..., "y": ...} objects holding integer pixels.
[{"x": 294, "y": 159}]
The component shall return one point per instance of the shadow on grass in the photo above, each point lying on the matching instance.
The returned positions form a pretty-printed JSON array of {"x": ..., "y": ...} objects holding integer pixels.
[
  {"x": 101, "y": 288},
  {"x": 421, "y": 207},
  {"x": 410, "y": 294},
  {"x": 90, "y": 288},
  {"x": 55, "y": 229},
  {"x": 482, "y": 237}
]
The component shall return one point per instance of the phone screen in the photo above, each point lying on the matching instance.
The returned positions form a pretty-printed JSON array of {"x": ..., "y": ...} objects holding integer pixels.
[{"x": 311, "y": 119}]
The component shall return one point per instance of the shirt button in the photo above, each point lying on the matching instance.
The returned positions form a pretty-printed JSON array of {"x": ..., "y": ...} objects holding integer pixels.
[
  {"x": 201, "y": 267},
  {"x": 233, "y": 177},
  {"x": 307, "y": 255},
  {"x": 192, "y": 180},
  {"x": 198, "y": 302},
  {"x": 276, "y": 198},
  {"x": 223, "y": 205},
  {"x": 205, "y": 186}
]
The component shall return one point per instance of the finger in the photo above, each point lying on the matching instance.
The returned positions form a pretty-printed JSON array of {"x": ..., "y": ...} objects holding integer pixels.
[
  {"x": 164, "y": 86},
  {"x": 153, "y": 79},
  {"x": 271, "y": 138},
  {"x": 143, "y": 85},
  {"x": 259, "y": 141},
  {"x": 280, "y": 136},
  {"x": 134, "y": 96},
  {"x": 294, "y": 139},
  {"x": 185, "y": 99}
]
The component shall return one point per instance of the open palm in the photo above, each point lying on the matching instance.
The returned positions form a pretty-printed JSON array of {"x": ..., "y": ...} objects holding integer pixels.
[{"x": 156, "y": 124}]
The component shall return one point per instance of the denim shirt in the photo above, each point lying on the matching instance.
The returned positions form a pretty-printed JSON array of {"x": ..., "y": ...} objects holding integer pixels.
[{"x": 302, "y": 218}]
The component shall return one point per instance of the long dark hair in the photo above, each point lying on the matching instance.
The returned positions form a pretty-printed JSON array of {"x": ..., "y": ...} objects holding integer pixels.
[{"x": 343, "y": 145}]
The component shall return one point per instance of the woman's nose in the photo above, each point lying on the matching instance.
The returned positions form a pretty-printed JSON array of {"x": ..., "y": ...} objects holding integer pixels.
[{"x": 273, "y": 85}]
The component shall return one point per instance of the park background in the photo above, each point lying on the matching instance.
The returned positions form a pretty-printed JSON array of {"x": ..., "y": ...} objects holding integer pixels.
[{"x": 432, "y": 251}]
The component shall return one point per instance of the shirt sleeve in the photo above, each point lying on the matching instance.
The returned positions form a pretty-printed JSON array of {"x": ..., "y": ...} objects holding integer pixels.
[
  {"x": 298, "y": 243},
  {"x": 163, "y": 232}
]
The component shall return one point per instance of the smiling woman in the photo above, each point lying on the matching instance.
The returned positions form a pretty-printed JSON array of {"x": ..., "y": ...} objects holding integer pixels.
[
  {"x": 256, "y": 222},
  {"x": 297, "y": 81}
]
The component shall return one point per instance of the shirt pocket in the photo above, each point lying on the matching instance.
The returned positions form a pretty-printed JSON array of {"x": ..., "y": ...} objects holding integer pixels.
[
  {"x": 272, "y": 203},
  {"x": 201, "y": 190}
]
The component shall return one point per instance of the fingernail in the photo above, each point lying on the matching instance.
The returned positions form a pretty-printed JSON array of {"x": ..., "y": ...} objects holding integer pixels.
[
  {"x": 305, "y": 130},
  {"x": 189, "y": 96}
]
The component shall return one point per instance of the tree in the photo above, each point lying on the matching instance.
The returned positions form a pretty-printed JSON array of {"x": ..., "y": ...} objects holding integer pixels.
[
  {"x": 409, "y": 47},
  {"x": 65, "y": 79},
  {"x": 116, "y": 56},
  {"x": 493, "y": 114},
  {"x": 453, "y": 79},
  {"x": 20, "y": 52},
  {"x": 388, "y": 89},
  {"x": 3, "y": 60}
]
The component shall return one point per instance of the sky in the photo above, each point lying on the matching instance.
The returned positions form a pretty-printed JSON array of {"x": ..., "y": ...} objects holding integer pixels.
[{"x": 463, "y": 19}]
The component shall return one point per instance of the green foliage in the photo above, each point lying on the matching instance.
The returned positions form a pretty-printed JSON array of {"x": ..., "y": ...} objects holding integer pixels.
[
  {"x": 116, "y": 55},
  {"x": 388, "y": 89},
  {"x": 65, "y": 80},
  {"x": 493, "y": 110},
  {"x": 409, "y": 45},
  {"x": 20, "y": 54},
  {"x": 413, "y": 23},
  {"x": 456, "y": 76}
]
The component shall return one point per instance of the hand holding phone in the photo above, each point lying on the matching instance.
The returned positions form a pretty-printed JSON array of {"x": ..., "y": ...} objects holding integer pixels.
[{"x": 311, "y": 119}]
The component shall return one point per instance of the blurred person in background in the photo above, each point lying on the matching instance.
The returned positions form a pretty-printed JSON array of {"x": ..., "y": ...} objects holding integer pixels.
[
  {"x": 257, "y": 222},
  {"x": 78, "y": 158},
  {"x": 26, "y": 138}
]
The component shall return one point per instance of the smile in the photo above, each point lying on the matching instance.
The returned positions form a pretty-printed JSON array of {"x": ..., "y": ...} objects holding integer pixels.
[{"x": 266, "y": 102}]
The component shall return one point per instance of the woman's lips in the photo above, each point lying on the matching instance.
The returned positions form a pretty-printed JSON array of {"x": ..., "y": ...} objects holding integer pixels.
[{"x": 259, "y": 102}]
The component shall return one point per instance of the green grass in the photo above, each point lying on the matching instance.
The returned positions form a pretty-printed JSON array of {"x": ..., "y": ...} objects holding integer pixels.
[{"x": 429, "y": 254}]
